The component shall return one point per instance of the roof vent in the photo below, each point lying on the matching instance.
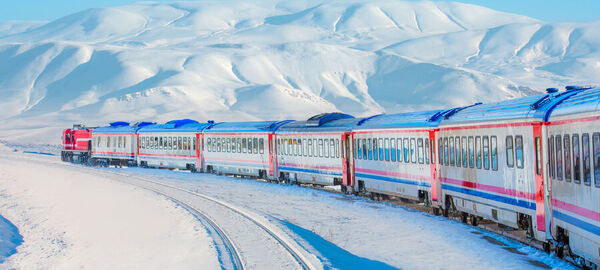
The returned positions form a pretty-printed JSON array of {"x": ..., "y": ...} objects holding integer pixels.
[
  {"x": 211, "y": 121},
  {"x": 143, "y": 124},
  {"x": 551, "y": 90},
  {"x": 119, "y": 124},
  {"x": 320, "y": 119},
  {"x": 178, "y": 123}
]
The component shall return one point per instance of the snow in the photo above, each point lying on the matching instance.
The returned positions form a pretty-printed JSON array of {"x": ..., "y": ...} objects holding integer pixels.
[
  {"x": 274, "y": 60},
  {"x": 71, "y": 219},
  {"x": 9, "y": 238}
]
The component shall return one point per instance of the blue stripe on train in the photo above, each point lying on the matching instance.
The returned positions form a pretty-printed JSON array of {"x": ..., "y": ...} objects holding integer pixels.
[
  {"x": 577, "y": 222},
  {"x": 393, "y": 179},
  {"x": 493, "y": 197},
  {"x": 305, "y": 170}
]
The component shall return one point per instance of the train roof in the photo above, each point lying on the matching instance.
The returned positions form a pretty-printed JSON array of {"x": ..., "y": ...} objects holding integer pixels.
[
  {"x": 421, "y": 119},
  {"x": 182, "y": 125},
  {"x": 325, "y": 122},
  {"x": 121, "y": 127},
  {"x": 536, "y": 107},
  {"x": 584, "y": 101},
  {"x": 248, "y": 127}
]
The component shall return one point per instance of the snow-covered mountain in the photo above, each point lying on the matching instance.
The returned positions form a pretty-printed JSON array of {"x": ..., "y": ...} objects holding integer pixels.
[{"x": 276, "y": 59}]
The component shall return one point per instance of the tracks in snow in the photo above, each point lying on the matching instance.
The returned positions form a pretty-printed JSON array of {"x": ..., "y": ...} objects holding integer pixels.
[{"x": 228, "y": 222}]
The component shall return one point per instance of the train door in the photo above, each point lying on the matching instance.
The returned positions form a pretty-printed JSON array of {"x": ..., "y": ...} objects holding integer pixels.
[
  {"x": 538, "y": 168},
  {"x": 347, "y": 160},
  {"x": 271, "y": 155},
  {"x": 198, "y": 147},
  {"x": 436, "y": 187}
]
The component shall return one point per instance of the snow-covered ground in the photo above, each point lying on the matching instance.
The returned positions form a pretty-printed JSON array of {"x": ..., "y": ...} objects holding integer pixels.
[
  {"x": 277, "y": 59},
  {"x": 71, "y": 219},
  {"x": 74, "y": 216}
]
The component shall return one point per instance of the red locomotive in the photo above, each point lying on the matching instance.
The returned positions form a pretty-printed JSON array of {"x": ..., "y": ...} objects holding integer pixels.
[{"x": 76, "y": 144}]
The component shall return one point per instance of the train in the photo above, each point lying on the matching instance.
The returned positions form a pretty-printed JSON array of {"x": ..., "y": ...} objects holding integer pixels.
[{"x": 529, "y": 163}]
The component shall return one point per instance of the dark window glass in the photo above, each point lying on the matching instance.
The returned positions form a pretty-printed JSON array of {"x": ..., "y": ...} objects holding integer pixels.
[
  {"x": 471, "y": 152},
  {"x": 413, "y": 150},
  {"x": 393, "y": 149},
  {"x": 451, "y": 150},
  {"x": 587, "y": 170},
  {"x": 375, "y": 151},
  {"x": 380, "y": 144},
  {"x": 567, "y": 159},
  {"x": 596, "y": 145},
  {"x": 261, "y": 146},
  {"x": 494, "y": 150},
  {"x": 510, "y": 155},
  {"x": 457, "y": 151},
  {"x": 399, "y": 146},
  {"x": 559, "y": 158},
  {"x": 519, "y": 152},
  {"x": 426, "y": 151},
  {"x": 446, "y": 152},
  {"x": 420, "y": 150},
  {"x": 370, "y": 149},
  {"x": 432, "y": 151},
  {"x": 387, "y": 149},
  {"x": 441, "y": 151},
  {"x": 478, "y": 151},
  {"x": 576, "y": 159},
  {"x": 538, "y": 155},
  {"x": 255, "y": 144},
  {"x": 365, "y": 150},
  {"x": 486, "y": 153},
  {"x": 357, "y": 148}
]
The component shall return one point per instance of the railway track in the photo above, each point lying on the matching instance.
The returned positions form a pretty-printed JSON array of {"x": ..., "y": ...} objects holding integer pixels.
[{"x": 235, "y": 259}]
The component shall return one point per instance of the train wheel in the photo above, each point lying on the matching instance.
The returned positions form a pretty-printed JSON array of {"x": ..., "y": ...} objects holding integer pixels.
[
  {"x": 474, "y": 220},
  {"x": 560, "y": 251},
  {"x": 463, "y": 217}
]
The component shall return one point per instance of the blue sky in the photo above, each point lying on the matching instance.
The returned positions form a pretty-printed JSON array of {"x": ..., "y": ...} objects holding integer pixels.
[{"x": 547, "y": 10}]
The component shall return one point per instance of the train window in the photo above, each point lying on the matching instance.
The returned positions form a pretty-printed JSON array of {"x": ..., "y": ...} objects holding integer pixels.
[
  {"x": 261, "y": 146},
  {"x": 478, "y": 151},
  {"x": 186, "y": 145},
  {"x": 239, "y": 145},
  {"x": 387, "y": 149},
  {"x": 120, "y": 139},
  {"x": 567, "y": 155},
  {"x": 336, "y": 146},
  {"x": 393, "y": 149},
  {"x": 486, "y": 152},
  {"x": 180, "y": 143},
  {"x": 465, "y": 156},
  {"x": 494, "y": 150},
  {"x": 194, "y": 143},
  {"x": 552, "y": 157},
  {"x": 596, "y": 149},
  {"x": 558, "y": 144},
  {"x": 170, "y": 143},
  {"x": 510, "y": 156},
  {"x": 446, "y": 158},
  {"x": 406, "y": 153},
  {"x": 471, "y": 152},
  {"x": 320, "y": 148},
  {"x": 251, "y": 146},
  {"x": 160, "y": 143},
  {"x": 369, "y": 148},
  {"x": 519, "y": 151},
  {"x": 326, "y": 148},
  {"x": 441, "y": 151},
  {"x": 356, "y": 148},
  {"x": 413, "y": 151},
  {"x": 432, "y": 149},
  {"x": 420, "y": 155},
  {"x": 457, "y": 151},
  {"x": 576, "y": 159},
  {"x": 255, "y": 145},
  {"x": 451, "y": 150},
  {"x": 587, "y": 171},
  {"x": 244, "y": 146},
  {"x": 309, "y": 147},
  {"x": 426, "y": 151},
  {"x": 399, "y": 151},
  {"x": 365, "y": 149},
  {"x": 332, "y": 148},
  {"x": 294, "y": 147},
  {"x": 234, "y": 148},
  {"x": 305, "y": 152},
  {"x": 380, "y": 144},
  {"x": 375, "y": 151}
]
